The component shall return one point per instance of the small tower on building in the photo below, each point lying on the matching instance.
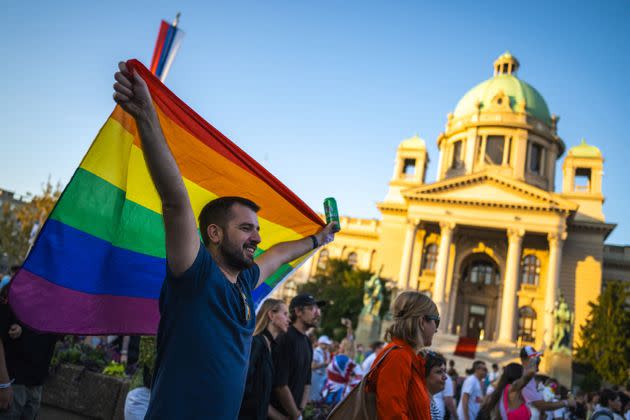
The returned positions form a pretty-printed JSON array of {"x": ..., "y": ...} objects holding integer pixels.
[
  {"x": 409, "y": 169},
  {"x": 583, "y": 169}
]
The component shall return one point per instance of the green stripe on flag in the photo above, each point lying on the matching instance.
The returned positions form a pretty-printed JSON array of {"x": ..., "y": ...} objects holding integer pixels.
[{"x": 95, "y": 206}]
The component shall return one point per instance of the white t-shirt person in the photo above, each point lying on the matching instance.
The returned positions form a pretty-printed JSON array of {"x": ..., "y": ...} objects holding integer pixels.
[
  {"x": 472, "y": 387},
  {"x": 439, "y": 397},
  {"x": 530, "y": 394}
]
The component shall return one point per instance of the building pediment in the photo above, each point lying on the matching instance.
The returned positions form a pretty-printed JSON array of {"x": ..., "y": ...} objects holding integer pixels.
[{"x": 490, "y": 190}]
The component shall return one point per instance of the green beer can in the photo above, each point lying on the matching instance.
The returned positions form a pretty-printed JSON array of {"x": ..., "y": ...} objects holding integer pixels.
[{"x": 332, "y": 215}]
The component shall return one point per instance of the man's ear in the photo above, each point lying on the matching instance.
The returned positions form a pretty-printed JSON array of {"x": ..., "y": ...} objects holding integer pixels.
[{"x": 215, "y": 234}]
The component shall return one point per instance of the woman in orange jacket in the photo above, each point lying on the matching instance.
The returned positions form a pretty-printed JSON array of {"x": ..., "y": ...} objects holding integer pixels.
[{"x": 399, "y": 381}]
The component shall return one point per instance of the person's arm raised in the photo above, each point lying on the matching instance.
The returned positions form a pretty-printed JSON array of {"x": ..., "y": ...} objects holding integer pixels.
[
  {"x": 285, "y": 252},
  {"x": 182, "y": 241}
]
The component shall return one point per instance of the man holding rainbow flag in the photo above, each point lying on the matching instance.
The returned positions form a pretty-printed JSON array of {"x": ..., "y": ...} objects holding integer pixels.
[{"x": 206, "y": 304}]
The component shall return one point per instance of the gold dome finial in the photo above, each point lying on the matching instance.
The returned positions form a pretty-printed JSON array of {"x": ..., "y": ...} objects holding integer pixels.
[{"x": 506, "y": 64}]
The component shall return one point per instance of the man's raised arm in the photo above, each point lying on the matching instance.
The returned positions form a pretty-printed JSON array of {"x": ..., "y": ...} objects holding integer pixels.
[
  {"x": 285, "y": 252},
  {"x": 182, "y": 241}
]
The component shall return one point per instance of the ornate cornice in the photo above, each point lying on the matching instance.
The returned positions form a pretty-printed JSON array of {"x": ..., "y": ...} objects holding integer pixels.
[
  {"x": 384, "y": 206},
  {"x": 547, "y": 201},
  {"x": 600, "y": 227}
]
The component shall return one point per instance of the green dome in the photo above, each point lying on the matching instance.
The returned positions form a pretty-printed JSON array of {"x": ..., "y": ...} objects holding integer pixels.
[
  {"x": 584, "y": 150},
  {"x": 516, "y": 89}
]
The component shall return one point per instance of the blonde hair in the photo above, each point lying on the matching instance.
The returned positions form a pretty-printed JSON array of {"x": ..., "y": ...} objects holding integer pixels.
[
  {"x": 408, "y": 309},
  {"x": 262, "y": 317}
]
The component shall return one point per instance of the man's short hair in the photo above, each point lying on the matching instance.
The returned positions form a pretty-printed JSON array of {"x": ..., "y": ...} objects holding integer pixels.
[
  {"x": 495, "y": 366},
  {"x": 477, "y": 364},
  {"x": 606, "y": 396},
  {"x": 217, "y": 212},
  {"x": 376, "y": 345}
]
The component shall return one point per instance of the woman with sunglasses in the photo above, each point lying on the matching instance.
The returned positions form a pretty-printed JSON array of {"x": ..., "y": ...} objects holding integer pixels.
[
  {"x": 399, "y": 380},
  {"x": 272, "y": 320}
]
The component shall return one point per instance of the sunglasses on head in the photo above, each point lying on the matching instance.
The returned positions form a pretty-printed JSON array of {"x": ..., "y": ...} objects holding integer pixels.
[{"x": 435, "y": 318}]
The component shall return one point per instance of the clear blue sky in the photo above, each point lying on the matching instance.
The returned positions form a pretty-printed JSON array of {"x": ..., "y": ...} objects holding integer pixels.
[{"x": 321, "y": 93}]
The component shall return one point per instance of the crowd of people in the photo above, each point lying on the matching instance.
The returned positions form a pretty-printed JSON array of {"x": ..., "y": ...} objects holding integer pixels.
[{"x": 216, "y": 358}]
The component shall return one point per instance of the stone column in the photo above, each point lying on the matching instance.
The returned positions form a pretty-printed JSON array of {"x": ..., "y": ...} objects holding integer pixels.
[
  {"x": 405, "y": 262},
  {"x": 416, "y": 258},
  {"x": 556, "y": 241},
  {"x": 439, "y": 285},
  {"x": 510, "y": 286}
]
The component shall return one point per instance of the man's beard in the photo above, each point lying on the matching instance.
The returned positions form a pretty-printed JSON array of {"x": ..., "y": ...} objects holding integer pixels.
[
  {"x": 314, "y": 323},
  {"x": 234, "y": 256}
]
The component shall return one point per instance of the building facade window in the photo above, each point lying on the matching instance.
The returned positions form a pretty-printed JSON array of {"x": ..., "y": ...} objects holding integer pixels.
[
  {"x": 457, "y": 160},
  {"x": 582, "y": 180},
  {"x": 495, "y": 147},
  {"x": 536, "y": 158},
  {"x": 530, "y": 271},
  {"x": 322, "y": 261},
  {"x": 409, "y": 167},
  {"x": 483, "y": 273},
  {"x": 430, "y": 257},
  {"x": 526, "y": 324},
  {"x": 353, "y": 259}
]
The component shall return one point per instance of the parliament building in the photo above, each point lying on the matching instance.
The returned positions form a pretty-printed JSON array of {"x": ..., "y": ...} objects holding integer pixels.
[{"x": 494, "y": 241}]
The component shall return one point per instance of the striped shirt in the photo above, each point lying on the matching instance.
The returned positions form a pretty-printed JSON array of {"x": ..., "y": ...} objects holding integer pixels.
[{"x": 435, "y": 411}]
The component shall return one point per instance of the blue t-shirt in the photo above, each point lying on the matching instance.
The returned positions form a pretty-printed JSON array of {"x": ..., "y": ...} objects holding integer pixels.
[{"x": 203, "y": 343}]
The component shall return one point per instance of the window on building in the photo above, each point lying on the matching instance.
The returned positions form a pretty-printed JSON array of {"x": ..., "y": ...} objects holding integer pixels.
[
  {"x": 530, "y": 270},
  {"x": 458, "y": 160},
  {"x": 430, "y": 257},
  {"x": 322, "y": 261},
  {"x": 409, "y": 167},
  {"x": 483, "y": 272},
  {"x": 536, "y": 153},
  {"x": 526, "y": 324},
  {"x": 494, "y": 150},
  {"x": 582, "y": 180},
  {"x": 353, "y": 259}
]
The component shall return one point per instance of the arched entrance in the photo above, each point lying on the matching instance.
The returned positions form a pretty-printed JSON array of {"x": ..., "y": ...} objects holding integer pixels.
[{"x": 477, "y": 297}]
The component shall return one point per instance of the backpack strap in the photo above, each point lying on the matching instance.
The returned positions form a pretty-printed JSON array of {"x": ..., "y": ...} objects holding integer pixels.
[{"x": 375, "y": 365}]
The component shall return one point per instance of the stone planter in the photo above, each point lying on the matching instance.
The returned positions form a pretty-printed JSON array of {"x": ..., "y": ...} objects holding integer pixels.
[{"x": 73, "y": 392}]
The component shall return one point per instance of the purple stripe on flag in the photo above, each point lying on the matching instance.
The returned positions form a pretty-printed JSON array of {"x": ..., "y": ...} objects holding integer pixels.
[{"x": 83, "y": 313}]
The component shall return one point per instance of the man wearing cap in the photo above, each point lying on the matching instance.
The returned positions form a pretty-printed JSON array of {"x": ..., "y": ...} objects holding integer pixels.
[
  {"x": 533, "y": 398},
  {"x": 293, "y": 357},
  {"x": 321, "y": 359}
]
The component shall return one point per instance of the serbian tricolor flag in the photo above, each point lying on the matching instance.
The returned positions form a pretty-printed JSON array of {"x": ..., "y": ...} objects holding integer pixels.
[
  {"x": 168, "y": 42},
  {"x": 98, "y": 263}
]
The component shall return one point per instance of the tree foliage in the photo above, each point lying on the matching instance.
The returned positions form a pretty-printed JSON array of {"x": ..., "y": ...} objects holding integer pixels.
[
  {"x": 605, "y": 337},
  {"x": 342, "y": 287},
  {"x": 20, "y": 222}
]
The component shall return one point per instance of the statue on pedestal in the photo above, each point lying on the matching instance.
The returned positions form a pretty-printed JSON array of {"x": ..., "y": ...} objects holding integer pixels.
[
  {"x": 369, "y": 327},
  {"x": 372, "y": 295},
  {"x": 563, "y": 321}
]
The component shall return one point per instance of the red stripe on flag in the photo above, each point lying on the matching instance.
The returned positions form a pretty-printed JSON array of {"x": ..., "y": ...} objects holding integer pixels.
[
  {"x": 192, "y": 122},
  {"x": 159, "y": 45}
]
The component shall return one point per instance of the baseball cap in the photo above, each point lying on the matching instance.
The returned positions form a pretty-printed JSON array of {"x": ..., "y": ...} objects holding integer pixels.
[
  {"x": 305, "y": 299},
  {"x": 324, "y": 340},
  {"x": 529, "y": 351}
]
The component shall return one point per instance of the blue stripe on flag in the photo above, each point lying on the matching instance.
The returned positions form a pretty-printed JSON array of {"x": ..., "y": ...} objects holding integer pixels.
[
  {"x": 74, "y": 259},
  {"x": 166, "y": 49}
]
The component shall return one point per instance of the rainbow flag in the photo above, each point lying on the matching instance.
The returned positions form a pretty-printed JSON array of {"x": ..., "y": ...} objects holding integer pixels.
[{"x": 98, "y": 263}]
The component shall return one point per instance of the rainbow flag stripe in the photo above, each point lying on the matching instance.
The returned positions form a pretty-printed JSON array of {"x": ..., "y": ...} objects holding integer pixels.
[{"x": 98, "y": 263}]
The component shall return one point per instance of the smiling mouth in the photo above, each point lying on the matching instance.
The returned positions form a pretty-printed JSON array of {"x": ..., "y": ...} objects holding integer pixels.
[{"x": 250, "y": 250}]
